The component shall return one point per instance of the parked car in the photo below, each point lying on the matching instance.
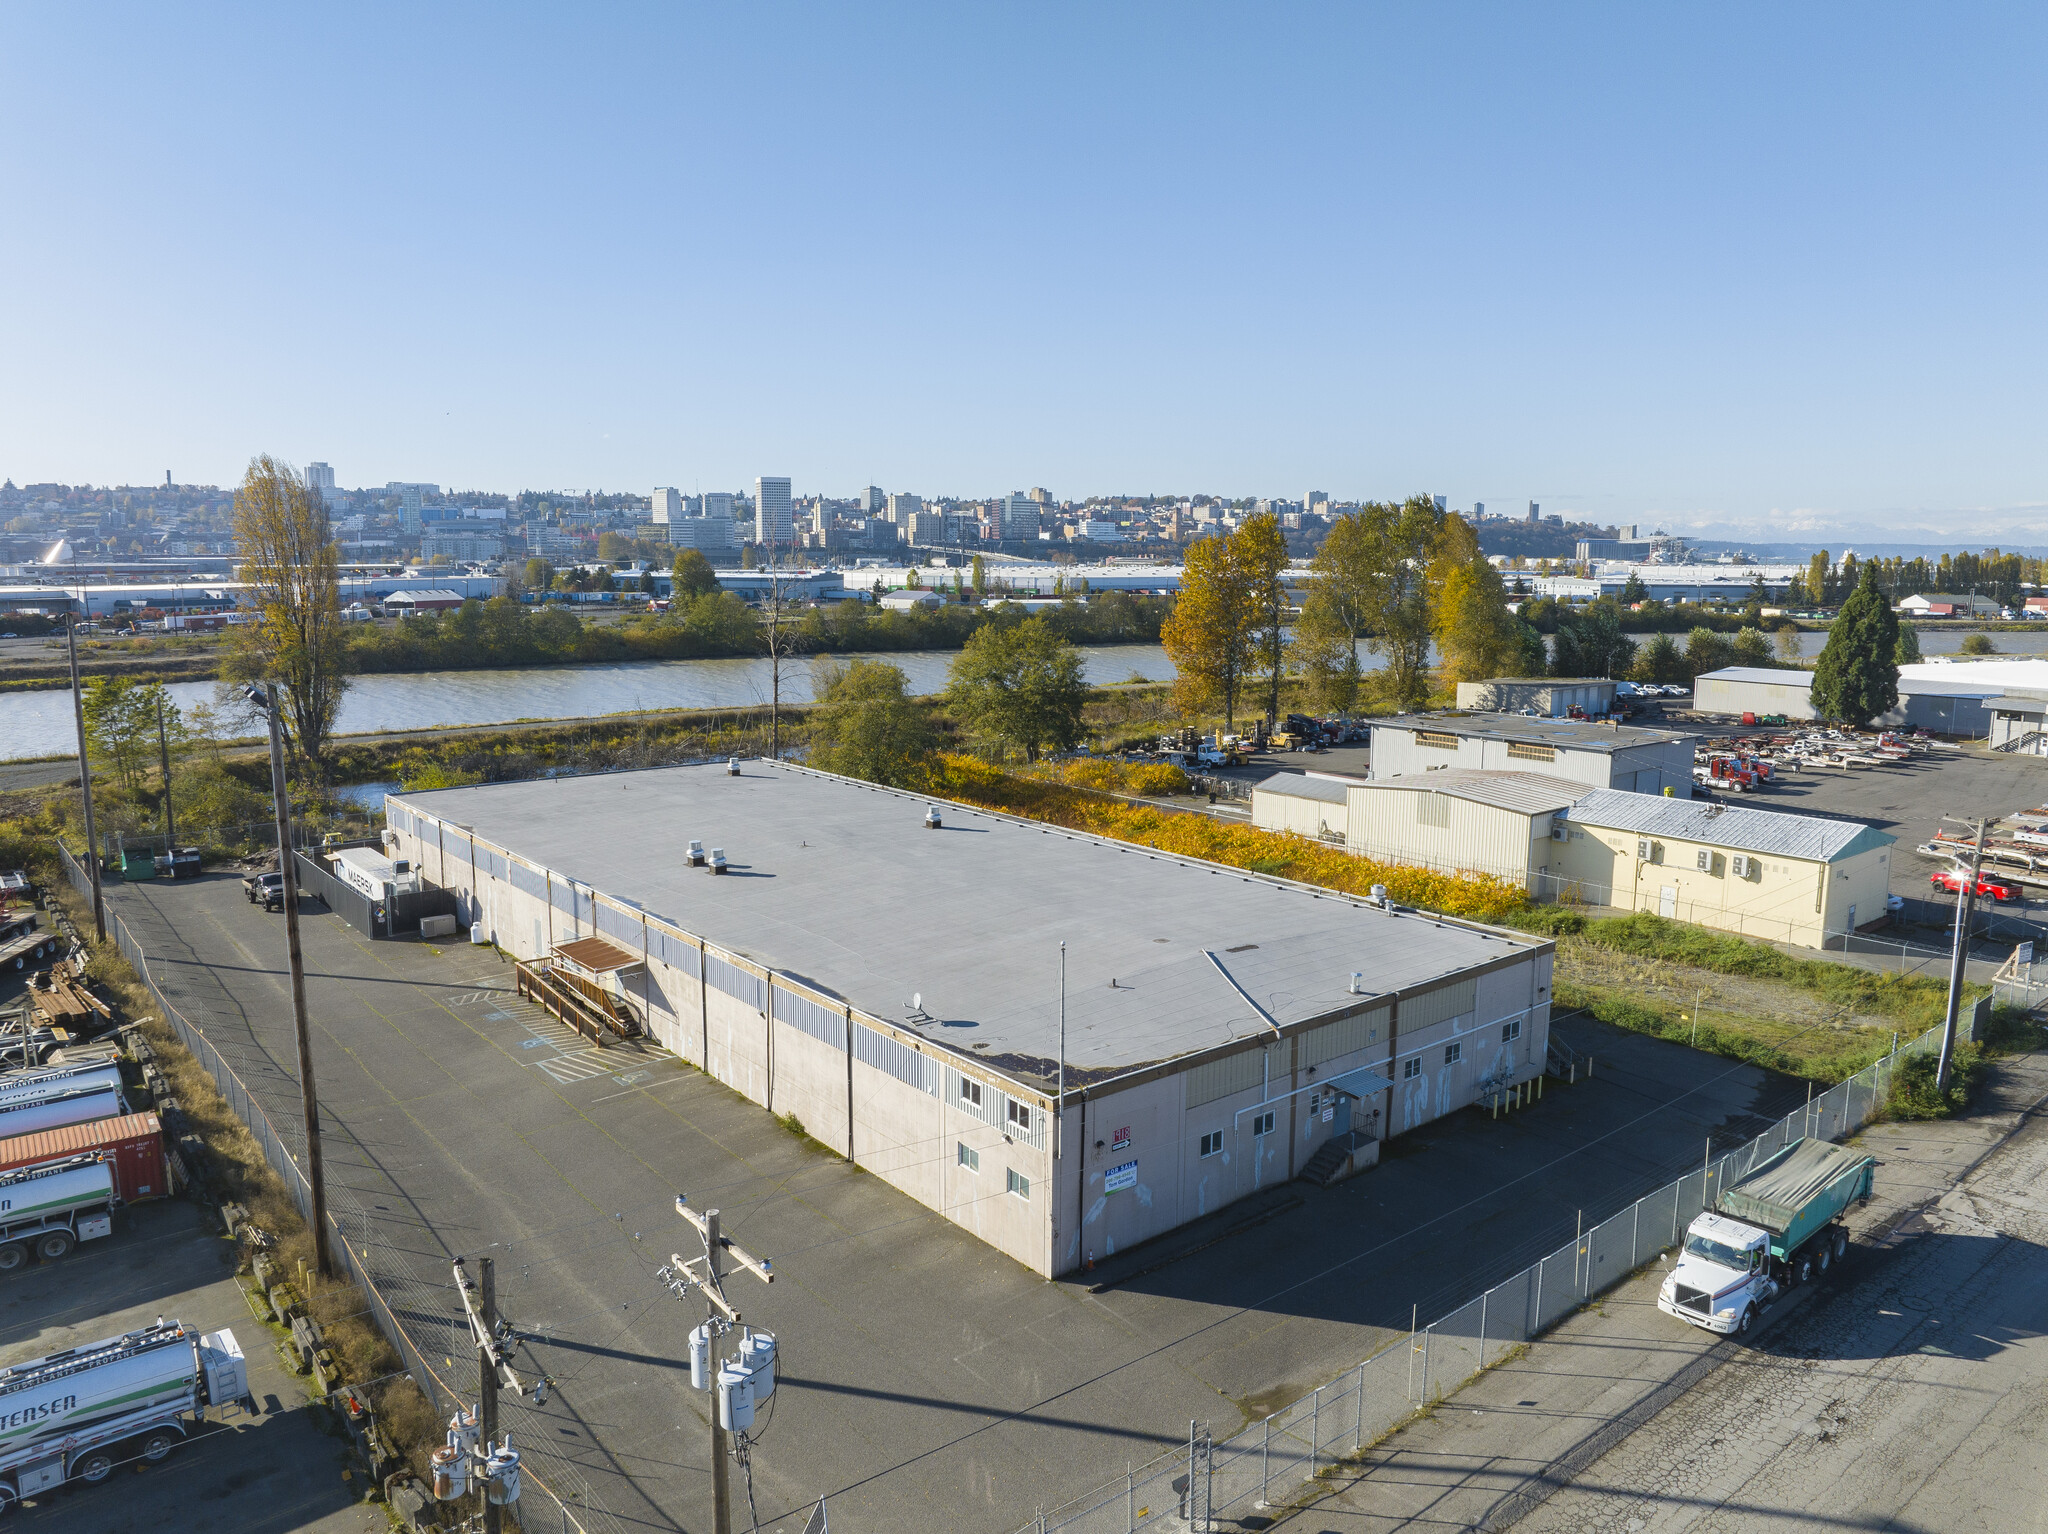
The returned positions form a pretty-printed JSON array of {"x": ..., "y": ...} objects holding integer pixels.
[{"x": 1954, "y": 881}]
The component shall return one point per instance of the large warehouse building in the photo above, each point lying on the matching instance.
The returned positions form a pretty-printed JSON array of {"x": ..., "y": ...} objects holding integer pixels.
[
  {"x": 1598, "y": 755},
  {"x": 897, "y": 988},
  {"x": 1941, "y": 699}
]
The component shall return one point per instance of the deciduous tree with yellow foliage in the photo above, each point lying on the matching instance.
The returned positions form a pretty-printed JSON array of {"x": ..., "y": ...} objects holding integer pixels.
[{"x": 289, "y": 559}]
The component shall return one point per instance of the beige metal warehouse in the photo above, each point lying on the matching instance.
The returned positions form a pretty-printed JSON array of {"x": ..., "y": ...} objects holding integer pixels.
[
  {"x": 1791, "y": 878},
  {"x": 897, "y": 989}
]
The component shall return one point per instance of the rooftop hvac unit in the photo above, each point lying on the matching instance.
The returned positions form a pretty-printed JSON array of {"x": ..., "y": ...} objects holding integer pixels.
[
  {"x": 718, "y": 860},
  {"x": 931, "y": 818},
  {"x": 1560, "y": 830},
  {"x": 696, "y": 854}
]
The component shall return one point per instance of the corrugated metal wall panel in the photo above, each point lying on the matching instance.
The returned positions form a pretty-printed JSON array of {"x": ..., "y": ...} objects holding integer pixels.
[
  {"x": 1234, "y": 1073},
  {"x": 1343, "y": 1037},
  {"x": 825, "y": 1024},
  {"x": 741, "y": 984},
  {"x": 1454, "y": 1000},
  {"x": 624, "y": 926},
  {"x": 899, "y": 1060}
]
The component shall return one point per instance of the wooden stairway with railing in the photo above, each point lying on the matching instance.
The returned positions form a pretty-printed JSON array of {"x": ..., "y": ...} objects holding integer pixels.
[{"x": 571, "y": 999}]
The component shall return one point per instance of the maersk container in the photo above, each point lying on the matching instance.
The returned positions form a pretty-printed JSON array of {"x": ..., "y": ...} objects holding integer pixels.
[{"x": 1798, "y": 1192}]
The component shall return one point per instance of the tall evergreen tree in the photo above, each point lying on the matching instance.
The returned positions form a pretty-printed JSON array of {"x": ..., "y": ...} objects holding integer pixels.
[{"x": 1858, "y": 675}]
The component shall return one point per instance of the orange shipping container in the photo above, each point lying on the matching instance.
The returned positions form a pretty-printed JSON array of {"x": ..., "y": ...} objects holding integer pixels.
[{"x": 134, "y": 1143}]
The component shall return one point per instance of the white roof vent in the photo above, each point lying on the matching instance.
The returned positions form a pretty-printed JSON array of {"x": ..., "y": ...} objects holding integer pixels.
[
  {"x": 718, "y": 860},
  {"x": 931, "y": 818},
  {"x": 732, "y": 766},
  {"x": 696, "y": 854}
]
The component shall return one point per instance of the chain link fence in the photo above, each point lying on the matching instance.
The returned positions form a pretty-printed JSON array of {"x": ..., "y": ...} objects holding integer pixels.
[
  {"x": 1269, "y": 1463},
  {"x": 387, "y": 1276}
]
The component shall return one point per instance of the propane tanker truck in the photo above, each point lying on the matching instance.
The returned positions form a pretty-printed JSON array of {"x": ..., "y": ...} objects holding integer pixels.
[
  {"x": 76, "y": 1415},
  {"x": 50, "y": 1207},
  {"x": 1778, "y": 1227}
]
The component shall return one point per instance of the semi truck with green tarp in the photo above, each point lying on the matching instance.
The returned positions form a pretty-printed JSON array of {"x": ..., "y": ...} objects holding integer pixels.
[{"x": 1776, "y": 1227}]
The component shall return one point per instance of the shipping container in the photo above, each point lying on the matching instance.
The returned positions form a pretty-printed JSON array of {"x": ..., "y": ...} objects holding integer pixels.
[{"x": 133, "y": 1143}]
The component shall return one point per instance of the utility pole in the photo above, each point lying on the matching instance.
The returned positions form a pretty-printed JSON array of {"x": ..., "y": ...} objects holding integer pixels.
[
  {"x": 496, "y": 1464},
  {"x": 309, "y": 1102},
  {"x": 487, "y": 1379},
  {"x": 721, "y": 1316},
  {"x": 163, "y": 746},
  {"x": 1966, "y": 900},
  {"x": 92, "y": 840}
]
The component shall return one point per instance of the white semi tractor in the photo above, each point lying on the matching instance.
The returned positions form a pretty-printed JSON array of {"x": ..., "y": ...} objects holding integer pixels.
[
  {"x": 1779, "y": 1226},
  {"x": 79, "y": 1414}
]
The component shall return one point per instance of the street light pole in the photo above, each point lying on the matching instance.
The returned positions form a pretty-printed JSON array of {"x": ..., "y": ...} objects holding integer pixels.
[
  {"x": 1966, "y": 900},
  {"x": 92, "y": 840},
  {"x": 309, "y": 1102}
]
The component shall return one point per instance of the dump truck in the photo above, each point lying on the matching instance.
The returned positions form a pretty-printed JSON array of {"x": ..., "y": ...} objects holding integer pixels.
[
  {"x": 80, "y": 1414},
  {"x": 1776, "y": 1228}
]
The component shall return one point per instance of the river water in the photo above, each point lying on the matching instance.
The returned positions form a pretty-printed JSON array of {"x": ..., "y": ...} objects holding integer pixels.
[{"x": 39, "y": 723}]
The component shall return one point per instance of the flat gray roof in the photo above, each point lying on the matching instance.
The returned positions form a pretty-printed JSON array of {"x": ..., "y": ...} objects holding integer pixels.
[
  {"x": 837, "y": 884},
  {"x": 1305, "y": 785},
  {"x": 1574, "y": 734},
  {"x": 1793, "y": 676}
]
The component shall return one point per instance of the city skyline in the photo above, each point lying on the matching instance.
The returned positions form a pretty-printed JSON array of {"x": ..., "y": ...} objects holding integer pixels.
[{"x": 1740, "y": 272}]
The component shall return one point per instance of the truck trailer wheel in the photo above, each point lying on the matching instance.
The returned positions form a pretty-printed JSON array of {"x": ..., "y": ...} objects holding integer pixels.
[
  {"x": 94, "y": 1467},
  {"x": 7, "y": 1499},
  {"x": 157, "y": 1446},
  {"x": 12, "y": 1255},
  {"x": 1825, "y": 1255},
  {"x": 1802, "y": 1269},
  {"x": 1841, "y": 1245},
  {"x": 54, "y": 1244}
]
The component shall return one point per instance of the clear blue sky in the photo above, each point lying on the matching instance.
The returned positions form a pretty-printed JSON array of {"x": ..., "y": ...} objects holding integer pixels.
[{"x": 1765, "y": 266}]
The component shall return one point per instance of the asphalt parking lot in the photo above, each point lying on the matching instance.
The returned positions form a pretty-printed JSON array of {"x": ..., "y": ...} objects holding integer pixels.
[
  {"x": 268, "y": 1469},
  {"x": 929, "y": 1383}
]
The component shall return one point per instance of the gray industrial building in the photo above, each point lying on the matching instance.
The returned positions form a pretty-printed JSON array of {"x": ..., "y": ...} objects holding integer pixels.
[
  {"x": 897, "y": 987},
  {"x": 1598, "y": 755},
  {"x": 1950, "y": 704},
  {"x": 1554, "y": 696}
]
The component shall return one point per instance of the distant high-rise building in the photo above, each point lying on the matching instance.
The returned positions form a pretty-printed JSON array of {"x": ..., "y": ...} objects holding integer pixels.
[
  {"x": 718, "y": 503},
  {"x": 1317, "y": 501},
  {"x": 319, "y": 476},
  {"x": 1018, "y": 517},
  {"x": 1534, "y": 512},
  {"x": 1443, "y": 502},
  {"x": 1040, "y": 494},
  {"x": 902, "y": 508},
  {"x": 1626, "y": 533},
  {"x": 1479, "y": 511},
  {"x": 871, "y": 500},
  {"x": 668, "y": 504},
  {"x": 771, "y": 509}
]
